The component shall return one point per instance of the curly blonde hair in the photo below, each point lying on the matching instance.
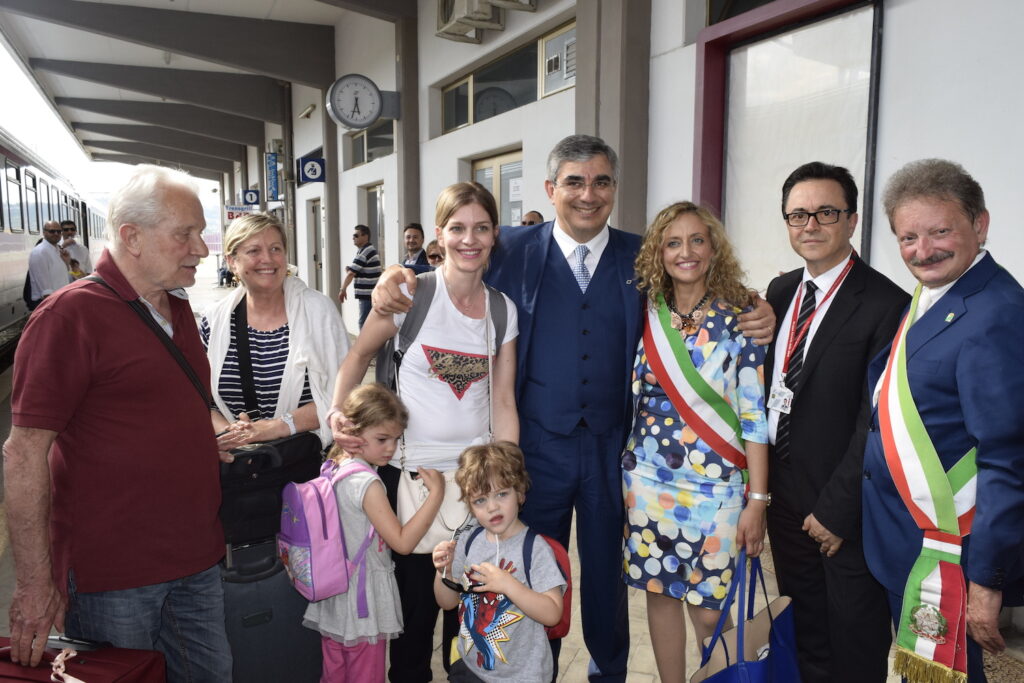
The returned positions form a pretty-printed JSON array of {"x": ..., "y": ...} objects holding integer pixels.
[
  {"x": 724, "y": 277},
  {"x": 500, "y": 463}
]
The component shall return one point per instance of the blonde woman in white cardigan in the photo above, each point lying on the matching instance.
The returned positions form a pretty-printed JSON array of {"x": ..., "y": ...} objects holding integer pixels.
[{"x": 296, "y": 337}]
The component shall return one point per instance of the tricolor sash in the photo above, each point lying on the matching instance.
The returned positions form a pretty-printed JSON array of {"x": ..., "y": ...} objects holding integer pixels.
[
  {"x": 932, "y": 634},
  {"x": 700, "y": 406}
]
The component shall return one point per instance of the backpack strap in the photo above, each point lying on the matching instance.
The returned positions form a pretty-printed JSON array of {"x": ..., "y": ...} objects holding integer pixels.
[
  {"x": 358, "y": 563},
  {"x": 531, "y": 536},
  {"x": 389, "y": 358},
  {"x": 499, "y": 316},
  {"x": 240, "y": 323}
]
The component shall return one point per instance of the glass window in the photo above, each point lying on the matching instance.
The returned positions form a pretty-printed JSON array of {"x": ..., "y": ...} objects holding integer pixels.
[
  {"x": 15, "y": 220},
  {"x": 31, "y": 204},
  {"x": 375, "y": 217},
  {"x": 506, "y": 84},
  {"x": 455, "y": 106},
  {"x": 793, "y": 97},
  {"x": 720, "y": 10},
  {"x": 380, "y": 140},
  {"x": 44, "y": 200},
  {"x": 560, "y": 60},
  {"x": 503, "y": 176}
]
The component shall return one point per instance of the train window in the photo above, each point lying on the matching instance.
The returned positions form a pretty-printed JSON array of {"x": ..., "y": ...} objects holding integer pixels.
[
  {"x": 14, "y": 208},
  {"x": 31, "y": 204},
  {"x": 44, "y": 201}
]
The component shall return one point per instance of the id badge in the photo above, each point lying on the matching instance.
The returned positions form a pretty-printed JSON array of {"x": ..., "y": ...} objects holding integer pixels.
[{"x": 780, "y": 399}]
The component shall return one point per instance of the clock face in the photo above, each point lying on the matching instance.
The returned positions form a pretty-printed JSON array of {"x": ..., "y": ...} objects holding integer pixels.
[{"x": 354, "y": 101}]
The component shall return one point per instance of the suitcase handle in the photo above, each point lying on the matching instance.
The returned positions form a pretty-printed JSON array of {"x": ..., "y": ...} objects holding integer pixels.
[{"x": 262, "y": 569}]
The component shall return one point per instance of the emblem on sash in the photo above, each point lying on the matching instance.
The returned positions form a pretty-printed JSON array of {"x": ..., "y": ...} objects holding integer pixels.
[{"x": 927, "y": 622}]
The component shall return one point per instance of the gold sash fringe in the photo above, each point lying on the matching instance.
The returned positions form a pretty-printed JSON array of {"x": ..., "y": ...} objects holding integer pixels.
[{"x": 917, "y": 669}]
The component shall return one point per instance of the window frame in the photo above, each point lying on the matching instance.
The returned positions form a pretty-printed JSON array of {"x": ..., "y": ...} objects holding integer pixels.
[{"x": 360, "y": 139}]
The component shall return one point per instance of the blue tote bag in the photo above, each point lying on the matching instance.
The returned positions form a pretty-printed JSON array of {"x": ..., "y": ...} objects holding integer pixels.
[{"x": 762, "y": 647}]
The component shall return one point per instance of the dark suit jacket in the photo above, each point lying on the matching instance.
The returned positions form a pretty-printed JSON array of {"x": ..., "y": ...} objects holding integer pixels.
[
  {"x": 516, "y": 269},
  {"x": 823, "y": 472},
  {"x": 965, "y": 365},
  {"x": 421, "y": 259}
]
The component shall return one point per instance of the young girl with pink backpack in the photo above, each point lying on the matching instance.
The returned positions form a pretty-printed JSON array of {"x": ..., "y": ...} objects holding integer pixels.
[{"x": 356, "y": 624}]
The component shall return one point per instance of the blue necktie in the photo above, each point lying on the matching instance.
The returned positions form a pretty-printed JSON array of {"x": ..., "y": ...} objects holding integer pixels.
[{"x": 579, "y": 269}]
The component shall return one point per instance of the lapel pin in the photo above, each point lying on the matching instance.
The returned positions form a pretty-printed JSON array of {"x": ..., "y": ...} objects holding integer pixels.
[{"x": 949, "y": 318}]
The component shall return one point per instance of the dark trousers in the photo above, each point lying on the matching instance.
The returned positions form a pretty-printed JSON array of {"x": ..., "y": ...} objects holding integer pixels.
[
  {"x": 365, "y": 306},
  {"x": 411, "y": 652},
  {"x": 975, "y": 655},
  {"x": 581, "y": 471},
  {"x": 843, "y": 631}
]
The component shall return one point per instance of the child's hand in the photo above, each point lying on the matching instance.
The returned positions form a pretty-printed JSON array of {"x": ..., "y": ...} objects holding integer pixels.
[
  {"x": 487, "y": 578},
  {"x": 444, "y": 553},
  {"x": 432, "y": 479}
]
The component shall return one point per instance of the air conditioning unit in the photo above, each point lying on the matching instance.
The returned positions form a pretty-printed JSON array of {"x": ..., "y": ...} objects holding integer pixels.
[
  {"x": 482, "y": 14},
  {"x": 451, "y": 24},
  {"x": 526, "y": 5}
]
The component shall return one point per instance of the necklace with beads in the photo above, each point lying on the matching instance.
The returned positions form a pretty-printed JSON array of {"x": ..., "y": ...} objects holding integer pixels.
[{"x": 689, "y": 322}]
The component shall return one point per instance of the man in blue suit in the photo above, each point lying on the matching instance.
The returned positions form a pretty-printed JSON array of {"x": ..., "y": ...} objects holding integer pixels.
[
  {"x": 573, "y": 283},
  {"x": 945, "y": 503}
]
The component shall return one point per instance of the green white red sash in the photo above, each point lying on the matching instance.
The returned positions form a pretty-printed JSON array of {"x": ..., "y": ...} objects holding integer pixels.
[
  {"x": 700, "y": 406},
  {"x": 932, "y": 633}
]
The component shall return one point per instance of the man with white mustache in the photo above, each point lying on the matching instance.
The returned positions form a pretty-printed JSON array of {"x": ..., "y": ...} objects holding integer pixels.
[{"x": 943, "y": 487}]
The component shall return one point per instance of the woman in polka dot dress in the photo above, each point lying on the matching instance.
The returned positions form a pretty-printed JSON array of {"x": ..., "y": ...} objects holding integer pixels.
[{"x": 699, "y": 421}]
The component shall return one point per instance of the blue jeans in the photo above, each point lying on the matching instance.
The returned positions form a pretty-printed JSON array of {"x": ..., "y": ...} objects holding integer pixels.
[
  {"x": 364, "y": 310},
  {"x": 183, "y": 619}
]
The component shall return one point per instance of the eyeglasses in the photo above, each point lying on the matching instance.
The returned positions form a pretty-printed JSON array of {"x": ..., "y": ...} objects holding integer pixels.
[
  {"x": 69, "y": 229},
  {"x": 576, "y": 186},
  {"x": 435, "y": 257},
  {"x": 54, "y": 231},
  {"x": 798, "y": 219}
]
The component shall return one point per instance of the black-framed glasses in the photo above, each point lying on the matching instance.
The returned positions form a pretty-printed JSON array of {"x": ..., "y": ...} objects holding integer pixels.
[
  {"x": 53, "y": 231},
  {"x": 577, "y": 185},
  {"x": 465, "y": 586},
  {"x": 798, "y": 219},
  {"x": 435, "y": 257}
]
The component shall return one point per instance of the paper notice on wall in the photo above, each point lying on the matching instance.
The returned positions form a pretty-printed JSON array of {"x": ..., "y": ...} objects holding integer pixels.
[
  {"x": 515, "y": 190},
  {"x": 516, "y": 217}
]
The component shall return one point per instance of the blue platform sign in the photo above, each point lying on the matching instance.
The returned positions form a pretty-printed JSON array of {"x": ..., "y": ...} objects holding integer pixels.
[
  {"x": 312, "y": 170},
  {"x": 272, "y": 191},
  {"x": 251, "y": 197}
]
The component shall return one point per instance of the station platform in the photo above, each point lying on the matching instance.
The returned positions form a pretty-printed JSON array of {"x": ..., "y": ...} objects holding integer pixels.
[{"x": 574, "y": 658}]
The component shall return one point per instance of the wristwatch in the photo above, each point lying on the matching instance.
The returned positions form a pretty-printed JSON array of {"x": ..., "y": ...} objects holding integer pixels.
[
  {"x": 766, "y": 497},
  {"x": 289, "y": 420}
]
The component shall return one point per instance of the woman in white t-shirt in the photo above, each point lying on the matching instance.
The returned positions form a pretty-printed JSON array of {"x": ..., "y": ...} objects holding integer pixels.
[{"x": 455, "y": 394}]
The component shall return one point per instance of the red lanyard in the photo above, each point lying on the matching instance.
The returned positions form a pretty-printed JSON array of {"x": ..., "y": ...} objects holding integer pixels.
[{"x": 799, "y": 334}]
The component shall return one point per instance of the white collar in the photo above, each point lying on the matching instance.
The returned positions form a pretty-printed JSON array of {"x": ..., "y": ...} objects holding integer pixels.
[
  {"x": 567, "y": 244},
  {"x": 825, "y": 281},
  {"x": 937, "y": 292}
]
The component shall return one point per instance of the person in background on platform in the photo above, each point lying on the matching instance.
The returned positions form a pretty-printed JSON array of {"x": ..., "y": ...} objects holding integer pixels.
[
  {"x": 574, "y": 285},
  {"x": 415, "y": 255},
  {"x": 69, "y": 242},
  {"x": 111, "y": 475},
  {"x": 834, "y": 315},
  {"x": 296, "y": 336},
  {"x": 435, "y": 254},
  {"x": 943, "y": 485},
  {"x": 699, "y": 423},
  {"x": 48, "y": 264},
  {"x": 365, "y": 270},
  {"x": 532, "y": 218}
]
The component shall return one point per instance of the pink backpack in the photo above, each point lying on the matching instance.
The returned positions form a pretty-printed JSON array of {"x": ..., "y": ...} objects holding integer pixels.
[{"x": 312, "y": 543}]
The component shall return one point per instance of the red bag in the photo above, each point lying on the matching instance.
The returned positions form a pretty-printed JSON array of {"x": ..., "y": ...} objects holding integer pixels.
[{"x": 92, "y": 666}]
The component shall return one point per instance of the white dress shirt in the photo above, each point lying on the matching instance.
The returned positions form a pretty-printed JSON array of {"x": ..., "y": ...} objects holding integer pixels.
[
  {"x": 80, "y": 253},
  {"x": 824, "y": 283},
  {"x": 568, "y": 245},
  {"x": 47, "y": 270}
]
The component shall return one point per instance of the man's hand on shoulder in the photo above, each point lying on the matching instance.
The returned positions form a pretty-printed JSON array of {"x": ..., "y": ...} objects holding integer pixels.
[
  {"x": 35, "y": 608},
  {"x": 758, "y": 323},
  {"x": 387, "y": 296},
  {"x": 983, "y": 605}
]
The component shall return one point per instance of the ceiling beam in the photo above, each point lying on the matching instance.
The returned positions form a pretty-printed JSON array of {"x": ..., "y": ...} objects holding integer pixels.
[
  {"x": 183, "y": 117},
  {"x": 163, "y": 153},
  {"x": 165, "y": 137},
  {"x": 388, "y": 10},
  {"x": 133, "y": 159},
  {"x": 257, "y": 97},
  {"x": 291, "y": 51}
]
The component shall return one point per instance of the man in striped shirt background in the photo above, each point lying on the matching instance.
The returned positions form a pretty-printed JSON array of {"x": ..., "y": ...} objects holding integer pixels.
[{"x": 365, "y": 269}]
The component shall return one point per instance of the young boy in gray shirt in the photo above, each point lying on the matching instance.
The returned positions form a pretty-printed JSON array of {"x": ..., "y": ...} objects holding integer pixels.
[{"x": 502, "y": 612}]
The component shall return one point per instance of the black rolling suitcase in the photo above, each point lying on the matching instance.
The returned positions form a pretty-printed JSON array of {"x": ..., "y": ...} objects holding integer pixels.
[{"x": 263, "y": 614}]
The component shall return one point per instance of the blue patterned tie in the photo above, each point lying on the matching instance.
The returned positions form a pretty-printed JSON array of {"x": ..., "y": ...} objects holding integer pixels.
[{"x": 579, "y": 269}]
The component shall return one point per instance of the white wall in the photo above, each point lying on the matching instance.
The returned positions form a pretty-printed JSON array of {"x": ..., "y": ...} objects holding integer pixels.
[
  {"x": 366, "y": 46},
  {"x": 672, "y": 83},
  {"x": 950, "y": 88},
  {"x": 307, "y": 136}
]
